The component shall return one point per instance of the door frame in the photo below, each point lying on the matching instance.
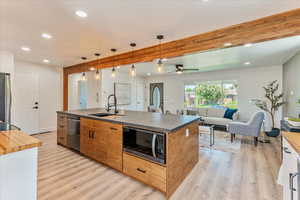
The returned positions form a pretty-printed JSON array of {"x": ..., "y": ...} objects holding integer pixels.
[{"x": 160, "y": 86}]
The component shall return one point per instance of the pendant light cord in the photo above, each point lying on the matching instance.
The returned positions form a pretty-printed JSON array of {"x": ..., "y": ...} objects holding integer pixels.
[{"x": 160, "y": 49}]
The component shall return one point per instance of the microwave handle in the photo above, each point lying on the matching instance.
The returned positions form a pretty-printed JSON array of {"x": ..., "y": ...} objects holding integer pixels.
[{"x": 153, "y": 145}]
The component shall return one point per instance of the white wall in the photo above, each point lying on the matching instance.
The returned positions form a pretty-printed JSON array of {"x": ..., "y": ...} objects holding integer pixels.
[
  {"x": 291, "y": 82},
  {"x": 250, "y": 82},
  {"x": 49, "y": 91}
]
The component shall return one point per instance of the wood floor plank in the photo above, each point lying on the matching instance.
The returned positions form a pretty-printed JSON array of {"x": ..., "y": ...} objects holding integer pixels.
[{"x": 249, "y": 174}]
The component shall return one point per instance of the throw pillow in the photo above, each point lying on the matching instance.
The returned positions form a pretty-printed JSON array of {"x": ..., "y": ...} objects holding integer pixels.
[{"x": 229, "y": 113}]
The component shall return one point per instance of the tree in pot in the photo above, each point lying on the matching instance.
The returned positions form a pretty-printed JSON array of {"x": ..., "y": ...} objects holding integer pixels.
[{"x": 271, "y": 106}]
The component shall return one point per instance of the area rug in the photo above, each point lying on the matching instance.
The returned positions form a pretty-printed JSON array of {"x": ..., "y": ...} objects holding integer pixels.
[{"x": 222, "y": 142}]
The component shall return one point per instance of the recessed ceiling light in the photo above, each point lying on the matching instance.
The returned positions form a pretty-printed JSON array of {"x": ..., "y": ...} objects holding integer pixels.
[
  {"x": 92, "y": 68},
  {"x": 248, "y": 45},
  {"x": 247, "y": 63},
  {"x": 46, "y": 61},
  {"x": 227, "y": 44},
  {"x": 25, "y": 48},
  {"x": 205, "y": 0},
  {"x": 81, "y": 13},
  {"x": 148, "y": 74},
  {"x": 46, "y": 36}
]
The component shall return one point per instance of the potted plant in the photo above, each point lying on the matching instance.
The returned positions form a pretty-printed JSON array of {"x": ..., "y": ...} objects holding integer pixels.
[{"x": 271, "y": 106}]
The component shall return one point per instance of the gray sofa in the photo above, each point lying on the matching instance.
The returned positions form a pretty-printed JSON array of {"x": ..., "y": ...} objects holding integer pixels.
[{"x": 213, "y": 116}]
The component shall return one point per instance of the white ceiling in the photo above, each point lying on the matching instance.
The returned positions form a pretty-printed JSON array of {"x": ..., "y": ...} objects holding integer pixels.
[
  {"x": 116, "y": 23},
  {"x": 270, "y": 53}
]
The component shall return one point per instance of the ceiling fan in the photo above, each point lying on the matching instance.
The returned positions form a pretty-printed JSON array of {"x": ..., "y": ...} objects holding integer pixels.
[{"x": 179, "y": 69}]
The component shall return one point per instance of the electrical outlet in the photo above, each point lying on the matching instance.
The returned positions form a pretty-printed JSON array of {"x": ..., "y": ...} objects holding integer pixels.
[{"x": 187, "y": 132}]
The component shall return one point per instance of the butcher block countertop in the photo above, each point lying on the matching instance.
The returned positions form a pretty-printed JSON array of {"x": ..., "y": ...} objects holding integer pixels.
[
  {"x": 294, "y": 140},
  {"x": 15, "y": 140}
]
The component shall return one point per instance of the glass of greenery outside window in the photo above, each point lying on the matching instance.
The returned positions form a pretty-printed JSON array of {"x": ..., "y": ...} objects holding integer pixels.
[{"x": 219, "y": 94}]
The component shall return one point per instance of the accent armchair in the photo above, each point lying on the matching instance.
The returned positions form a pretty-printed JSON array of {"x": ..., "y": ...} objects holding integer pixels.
[{"x": 250, "y": 128}]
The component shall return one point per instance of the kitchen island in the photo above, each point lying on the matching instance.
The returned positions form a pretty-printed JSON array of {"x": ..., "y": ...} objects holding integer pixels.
[
  {"x": 18, "y": 165},
  {"x": 170, "y": 142}
]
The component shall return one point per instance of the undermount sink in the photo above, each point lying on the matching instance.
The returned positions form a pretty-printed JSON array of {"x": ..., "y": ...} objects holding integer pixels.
[{"x": 102, "y": 114}]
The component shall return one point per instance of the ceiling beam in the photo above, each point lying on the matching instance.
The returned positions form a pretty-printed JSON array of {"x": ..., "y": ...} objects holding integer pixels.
[{"x": 264, "y": 29}]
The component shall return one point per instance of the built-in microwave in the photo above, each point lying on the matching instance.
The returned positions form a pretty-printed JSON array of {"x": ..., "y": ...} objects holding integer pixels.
[{"x": 147, "y": 144}]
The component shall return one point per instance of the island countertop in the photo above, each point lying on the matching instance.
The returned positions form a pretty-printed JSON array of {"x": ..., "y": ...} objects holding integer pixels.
[
  {"x": 294, "y": 139},
  {"x": 15, "y": 140},
  {"x": 147, "y": 120}
]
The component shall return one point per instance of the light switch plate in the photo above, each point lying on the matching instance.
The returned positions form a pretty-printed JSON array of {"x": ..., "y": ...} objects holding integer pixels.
[{"x": 187, "y": 132}]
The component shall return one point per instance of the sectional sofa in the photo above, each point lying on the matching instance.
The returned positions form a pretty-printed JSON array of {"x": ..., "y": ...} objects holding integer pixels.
[{"x": 213, "y": 116}]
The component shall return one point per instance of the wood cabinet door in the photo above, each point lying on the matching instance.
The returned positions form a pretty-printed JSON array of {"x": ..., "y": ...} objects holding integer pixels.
[
  {"x": 102, "y": 141},
  {"x": 86, "y": 142},
  {"x": 99, "y": 144},
  {"x": 115, "y": 146}
]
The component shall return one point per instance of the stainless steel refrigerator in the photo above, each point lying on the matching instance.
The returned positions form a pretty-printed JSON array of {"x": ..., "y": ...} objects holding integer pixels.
[{"x": 5, "y": 98}]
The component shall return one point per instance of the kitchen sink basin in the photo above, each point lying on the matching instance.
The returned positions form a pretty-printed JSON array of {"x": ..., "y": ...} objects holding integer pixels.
[{"x": 102, "y": 114}]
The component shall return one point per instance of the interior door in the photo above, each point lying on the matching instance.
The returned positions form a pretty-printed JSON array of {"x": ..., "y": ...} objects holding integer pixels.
[
  {"x": 82, "y": 93},
  {"x": 140, "y": 97},
  {"x": 157, "y": 95},
  {"x": 27, "y": 102}
]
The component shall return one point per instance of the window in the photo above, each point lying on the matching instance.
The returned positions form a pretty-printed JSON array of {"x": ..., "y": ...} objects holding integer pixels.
[{"x": 211, "y": 94}]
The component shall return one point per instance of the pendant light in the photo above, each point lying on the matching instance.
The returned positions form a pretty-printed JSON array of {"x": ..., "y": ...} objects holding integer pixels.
[
  {"x": 133, "y": 69},
  {"x": 83, "y": 78},
  {"x": 97, "y": 75},
  {"x": 113, "y": 71},
  {"x": 160, "y": 65}
]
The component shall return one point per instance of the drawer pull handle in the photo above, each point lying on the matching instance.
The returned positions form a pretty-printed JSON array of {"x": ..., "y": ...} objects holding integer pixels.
[
  {"x": 286, "y": 150},
  {"x": 61, "y": 126},
  {"x": 62, "y": 138},
  {"x": 291, "y": 183},
  {"x": 141, "y": 170},
  {"x": 111, "y": 128}
]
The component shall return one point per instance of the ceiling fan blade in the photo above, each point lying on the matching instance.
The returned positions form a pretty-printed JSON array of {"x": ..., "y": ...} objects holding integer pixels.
[
  {"x": 190, "y": 69},
  {"x": 170, "y": 72}
]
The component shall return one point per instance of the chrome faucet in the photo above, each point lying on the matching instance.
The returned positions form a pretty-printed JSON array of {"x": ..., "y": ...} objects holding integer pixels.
[{"x": 110, "y": 105}]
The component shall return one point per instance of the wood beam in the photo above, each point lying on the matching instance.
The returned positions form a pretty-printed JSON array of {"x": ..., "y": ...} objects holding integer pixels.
[{"x": 264, "y": 29}]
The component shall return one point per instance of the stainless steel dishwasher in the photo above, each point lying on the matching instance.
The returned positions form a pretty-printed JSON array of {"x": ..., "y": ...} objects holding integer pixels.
[{"x": 73, "y": 140}]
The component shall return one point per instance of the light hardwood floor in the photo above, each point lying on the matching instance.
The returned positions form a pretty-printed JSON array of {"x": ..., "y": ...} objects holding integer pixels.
[{"x": 248, "y": 175}]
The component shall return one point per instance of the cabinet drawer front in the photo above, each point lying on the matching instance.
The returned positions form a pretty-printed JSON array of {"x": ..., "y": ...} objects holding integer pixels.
[
  {"x": 107, "y": 125},
  {"x": 61, "y": 137},
  {"x": 61, "y": 117},
  {"x": 145, "y": 171},
  {"x": 86, "y": 122},
  {"x": 61, "y": 126}
]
